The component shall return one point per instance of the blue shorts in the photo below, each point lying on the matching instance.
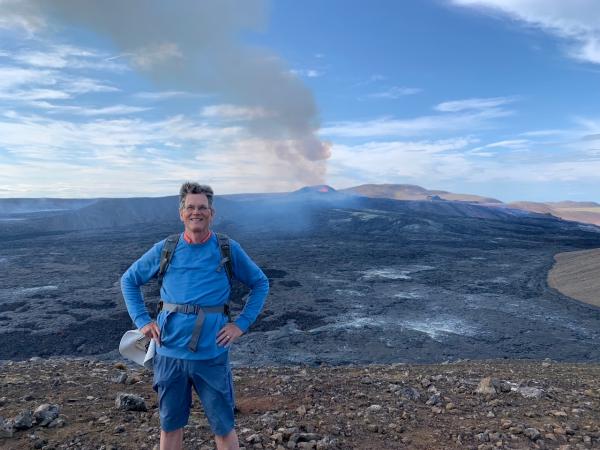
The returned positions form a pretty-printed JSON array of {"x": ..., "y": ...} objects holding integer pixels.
[{"x": 212, "y": 381}]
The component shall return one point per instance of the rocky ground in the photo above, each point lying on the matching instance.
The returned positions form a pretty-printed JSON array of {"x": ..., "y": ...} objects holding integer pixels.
[{"x": 64, "y": 403}]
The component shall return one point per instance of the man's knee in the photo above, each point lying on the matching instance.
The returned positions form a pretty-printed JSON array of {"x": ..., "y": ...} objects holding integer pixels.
[
  {"x": 171, "y": 440},
  {"x": 228, "y": 441}
]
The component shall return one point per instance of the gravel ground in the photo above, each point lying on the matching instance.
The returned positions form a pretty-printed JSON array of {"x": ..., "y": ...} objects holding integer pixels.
[{"x": 464, "y": 405}]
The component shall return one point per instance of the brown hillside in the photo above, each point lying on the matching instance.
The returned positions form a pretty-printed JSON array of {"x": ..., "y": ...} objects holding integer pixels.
[
  {"x": 585, "y": 212},
  {"x": 577, "y": 275},
  {"x": 413, "y": 192}
]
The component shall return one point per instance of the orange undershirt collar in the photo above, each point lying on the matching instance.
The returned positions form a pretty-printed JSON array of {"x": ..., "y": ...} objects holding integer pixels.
[{"x": 189, "y": 239}]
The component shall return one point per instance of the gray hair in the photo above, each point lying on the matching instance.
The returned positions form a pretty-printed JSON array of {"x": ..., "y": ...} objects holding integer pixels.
[{"x": 190, "y": 187}]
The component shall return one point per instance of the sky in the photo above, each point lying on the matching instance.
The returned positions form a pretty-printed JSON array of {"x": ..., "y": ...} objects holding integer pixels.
[{"x": 119, "y": 99}]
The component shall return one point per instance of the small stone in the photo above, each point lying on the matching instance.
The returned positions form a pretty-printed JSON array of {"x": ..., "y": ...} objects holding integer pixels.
[
  {"x": 133, "y": 380},
  {"x": 435, "y": 399},
  {"x": 277, "y": 437},
  {"x": 409, "y": 393},
  {"x": 119, "y": 429},
  {"x": 450, "y": 406},
  {"x": 7, "y": 428},
  {"x": 374, "y": 408},
  {"x": 436, "y": 410},
  {"x": 532, "y": 433},
  {"x": 3, "y": 401},
  {"x": 530, "y": 392},
  {"x": 57, "y": 423},
  {"x": 326, "y": 443},
  {"x": 491, "y": 414},
  {"x": 130, "y": 402},
  {"x": 558, "y": 413},
  {"x": 517, "y": 429},
  {"x": 486, "y": 387},
  {"x": 119, "y": 378},
  {"x": 45, "y": 413},
  {"x": 253, "y": 438},
  {"x": 505, "y": 387},
  {"x": 483, "y": 437},
  {"x": 23, "y": 420}
]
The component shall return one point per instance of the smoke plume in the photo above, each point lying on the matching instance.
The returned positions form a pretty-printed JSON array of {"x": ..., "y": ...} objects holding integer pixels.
[{"x": 195, "y": 46}]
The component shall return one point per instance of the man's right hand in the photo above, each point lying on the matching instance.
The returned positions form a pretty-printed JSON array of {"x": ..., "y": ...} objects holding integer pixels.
[{"x": 151, "y": 331}]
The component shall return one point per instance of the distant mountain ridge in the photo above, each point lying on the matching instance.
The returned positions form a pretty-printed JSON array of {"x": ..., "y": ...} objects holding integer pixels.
[
  {"x": 49, "y": 215},
  {"x": 584, "y": 212},
  {"x": 414, "y": 192}
]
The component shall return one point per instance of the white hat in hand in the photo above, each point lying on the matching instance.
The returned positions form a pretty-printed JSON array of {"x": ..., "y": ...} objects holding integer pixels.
[{"x": 138, "y": 348}]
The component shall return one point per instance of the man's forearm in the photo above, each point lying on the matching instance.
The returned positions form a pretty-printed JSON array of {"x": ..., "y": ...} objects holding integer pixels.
[
  {"x": 134, "y": 301},
  {"x": 254, "y": 305}
]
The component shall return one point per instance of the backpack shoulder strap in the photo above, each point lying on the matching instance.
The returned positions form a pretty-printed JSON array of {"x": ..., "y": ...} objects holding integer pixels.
[
  {"x": 166, "y": 255},
  {"x": 225, "y": 249}
]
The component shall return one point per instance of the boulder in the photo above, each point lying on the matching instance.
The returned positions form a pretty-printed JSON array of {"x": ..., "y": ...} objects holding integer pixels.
[
  {"x": 486, "y": 387},
  {"x": 45, "y": 413},
  {"x": 530, "y": 392},
  {"x": 130, "y": 402},
  {"x": 23, "y": 420}
]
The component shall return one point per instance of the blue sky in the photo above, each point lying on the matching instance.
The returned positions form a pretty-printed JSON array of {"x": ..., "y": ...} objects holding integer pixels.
[{"x": 490, "y": 97}]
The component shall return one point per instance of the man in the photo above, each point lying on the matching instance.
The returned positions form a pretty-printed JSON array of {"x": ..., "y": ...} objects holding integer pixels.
[{"x": 192, "y": 352}]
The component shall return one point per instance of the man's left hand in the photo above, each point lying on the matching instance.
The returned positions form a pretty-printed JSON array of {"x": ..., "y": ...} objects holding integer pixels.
[{"x": 228, "y": 334}]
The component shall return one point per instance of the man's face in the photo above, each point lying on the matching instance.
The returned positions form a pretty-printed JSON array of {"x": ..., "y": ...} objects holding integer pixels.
[{"x": 196, "y": 215}]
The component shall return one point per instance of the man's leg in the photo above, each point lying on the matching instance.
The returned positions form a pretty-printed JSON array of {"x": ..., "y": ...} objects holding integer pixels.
[
  {"x": 171, "y": 440},
  {"x": 227, "y": 442}
]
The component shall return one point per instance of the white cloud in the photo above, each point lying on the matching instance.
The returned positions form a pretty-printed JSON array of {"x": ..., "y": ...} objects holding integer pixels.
[
  {"x": 42, "y": 59},
  {"x": 393, "y": 161},
  {"x": 135, "y": 156},
  {"x": 12, "y": 77},
  {"x": 542, "y": 133},
  {"x": 155, "y": 55},
  {"x": 114, "y": 110},
  {"x": 473, "y": 104},
  {"x": 35, "y": 94},
  {"x": 225, "y": 111},
  {"x": 87, "y": 85},
  {"x": 16, "y": 14},
  {"x": 573, "y": 20},
  {"x": 309, "y": 73},
  {"x": 386, "y": 126},
  {"x": 511, "y": 144},
  {"x": 60, "y": 56},
  {"x": 161, "y": 95},
  {"x": 395, "y": 92}
]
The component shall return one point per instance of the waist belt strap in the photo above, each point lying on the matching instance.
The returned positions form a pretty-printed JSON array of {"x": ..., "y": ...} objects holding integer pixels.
[{"x": 187, "y": 308}]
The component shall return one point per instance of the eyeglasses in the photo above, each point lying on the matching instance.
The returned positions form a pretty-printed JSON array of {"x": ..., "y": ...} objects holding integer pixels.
[{"x": 192, "y": 208}]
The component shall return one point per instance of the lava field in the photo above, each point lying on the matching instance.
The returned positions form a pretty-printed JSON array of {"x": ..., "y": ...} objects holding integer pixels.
[{"x": 353, "y": 281}]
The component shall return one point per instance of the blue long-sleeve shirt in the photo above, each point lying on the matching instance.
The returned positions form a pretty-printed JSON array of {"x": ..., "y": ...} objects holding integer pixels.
[{"x": 193, "y": 277}]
